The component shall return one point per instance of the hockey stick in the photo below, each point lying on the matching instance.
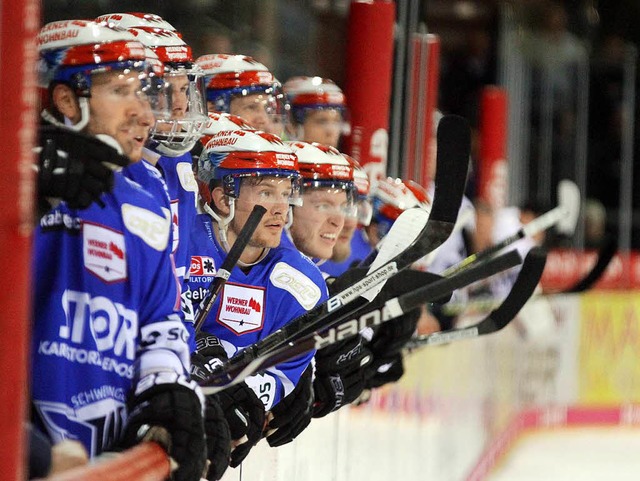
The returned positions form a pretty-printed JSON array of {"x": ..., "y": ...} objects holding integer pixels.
[
  {"x": 564, "y": 216},
  {"x": 224, "y": 272},
  {"x": 453, "y": 155},
  {"x": 486, "y": 303},
  {"x": 605, "y": 255},
  {"x": 232, "y": 372},
  {"x": 520, "y": 293}
]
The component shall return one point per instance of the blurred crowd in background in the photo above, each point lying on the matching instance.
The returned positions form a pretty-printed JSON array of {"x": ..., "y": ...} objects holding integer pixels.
[{"x": 308, "y": 37}]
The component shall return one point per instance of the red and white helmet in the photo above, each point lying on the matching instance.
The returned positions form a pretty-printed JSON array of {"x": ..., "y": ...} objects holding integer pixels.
[
  {"x": 391, "y": 197},
  {"x": 136, "y": 19},
  {"x": 324, "y": 166},
  {"x": 222, "y": 121},
  {"x": 227, "y": 76},
  {"x": 71, "y": 51},
  {"x": 313, "y": 93},
  {"x": 363, "y": 188},
  {"x": 178, "y": 134},
  {"x": 231, "y": 155}
]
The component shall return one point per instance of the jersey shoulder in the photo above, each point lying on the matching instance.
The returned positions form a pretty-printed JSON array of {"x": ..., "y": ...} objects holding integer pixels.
[{"x": 296, "y": 274}]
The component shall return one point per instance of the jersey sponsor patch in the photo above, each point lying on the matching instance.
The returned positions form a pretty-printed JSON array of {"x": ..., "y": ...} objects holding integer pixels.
[
  {"x": 202, "y": 266},
  {"x": 296, "y": 283},
  {"x": 175, "y": 224},
  {"x": 242, "y": 308},
  {"x": 187, "y": 179},
  {"x": 153, "y": 229},
  {"x": 103, "y": 252}
]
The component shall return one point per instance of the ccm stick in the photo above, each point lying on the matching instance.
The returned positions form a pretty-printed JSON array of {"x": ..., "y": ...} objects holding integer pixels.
[
  {"x": 520, "y": 293},
  {"x": 224, "y": 272},
  {"x": 453, "y": 155},
  {"x": 564, "y": 216},
  {"x": 233, "y": 372}
]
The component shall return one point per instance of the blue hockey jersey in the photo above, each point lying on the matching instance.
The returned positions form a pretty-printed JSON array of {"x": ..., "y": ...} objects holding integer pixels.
[
  {"x": 105, "y": 310},
  {"x": 360, "y": 249},
  {"x": 281, "y": 287}
]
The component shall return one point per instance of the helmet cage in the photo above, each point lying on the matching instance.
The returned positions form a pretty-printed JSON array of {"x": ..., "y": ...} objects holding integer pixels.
[{"x": 177, "y": 136}]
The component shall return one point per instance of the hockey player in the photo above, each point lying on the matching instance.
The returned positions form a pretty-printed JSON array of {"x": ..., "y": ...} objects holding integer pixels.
[
  {"x": 106, "y": 324},
  {"x": 317, "y": 110},
  {"x": 352, "y": 245},
  {"x": 272, "y": 284},
  {"x": 174, "y": 135},
  {"x": 329, "y": 197},
  {"x": 241, "y": 86},
  {"x": 391, "y": 197}
]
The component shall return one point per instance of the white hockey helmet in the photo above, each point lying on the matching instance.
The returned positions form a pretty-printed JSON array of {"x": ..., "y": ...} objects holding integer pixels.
[
  {"x": 324, "y": 166},
  {"x": 71, "y": 51},
  {"x": 178, "y": 134},
  {"x": 391, "y": 197},
  {"x": 363, "y": 188},
  {"x": 232, "y": 76},
  {"x": 136, "y": 19},
  {"x": 313, "y": 93}
]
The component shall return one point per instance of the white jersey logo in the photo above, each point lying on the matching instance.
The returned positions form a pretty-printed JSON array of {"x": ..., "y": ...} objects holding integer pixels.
[
  {"x": 151, "y": 228},
  {"x": 296, "y": 283},
  {"x": 103, "y": 252},
  {"x": 242, "y": 308},
  {"x": 187, "y": 179}
]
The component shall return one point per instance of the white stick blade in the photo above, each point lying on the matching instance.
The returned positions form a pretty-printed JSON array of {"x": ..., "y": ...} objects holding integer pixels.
[{"x": 569, "y": 201}]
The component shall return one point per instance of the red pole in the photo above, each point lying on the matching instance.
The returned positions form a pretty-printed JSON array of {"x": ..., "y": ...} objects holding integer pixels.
[
  {"x": 492, "y": 161},
  {"x": 19, "y": 23},
  {"x": 433, "y": 81},
  {"x": 368, "y": 82}
]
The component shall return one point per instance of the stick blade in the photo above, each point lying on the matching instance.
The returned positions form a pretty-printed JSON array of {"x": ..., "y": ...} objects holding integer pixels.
[
  {"x": 454, "y": 148},
  {"x": 569, "y": 200},
  {"x": 605, "y": 255},
  {"x": 520, "y": 293}
]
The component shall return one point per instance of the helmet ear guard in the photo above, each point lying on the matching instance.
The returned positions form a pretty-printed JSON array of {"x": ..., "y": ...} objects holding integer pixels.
[
  {"x": 71, "y": 51},
  {"x": 177, "y": 133}
]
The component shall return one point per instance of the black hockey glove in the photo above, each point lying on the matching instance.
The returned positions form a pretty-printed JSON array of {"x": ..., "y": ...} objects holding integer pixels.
[
  {"x": 340, "y": 375},
  {"x": 293, "y": 413},
  {"x": 75, "y": 167},
  {"x": 386, "y": 346},
  {"x": 242, "y": 409},
  {"x": 170, "y": 401},
  {"x": 218, "y": 438}
]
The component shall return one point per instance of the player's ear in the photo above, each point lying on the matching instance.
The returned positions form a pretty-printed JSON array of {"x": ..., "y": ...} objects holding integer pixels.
[
  {"x": 65, "y": 101},
  {"x": 220, "y": 201}
]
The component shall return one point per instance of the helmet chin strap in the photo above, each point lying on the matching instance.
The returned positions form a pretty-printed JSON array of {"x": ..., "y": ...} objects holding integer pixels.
[
  {"x": 289, "y": 218},
  {"x": 84, "y": 120},
  {"x": 223, "y": 225}
]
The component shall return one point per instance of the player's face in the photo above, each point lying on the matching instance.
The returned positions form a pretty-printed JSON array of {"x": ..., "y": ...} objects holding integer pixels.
[
  {"x": 116, "y": 109},
  {"x": 342, "y": 249},
  {"x": 318, "y": 222},
  {"x": 323, "y": 126},
  {"x": 179, "y": 95},
  {"x": 142, "y": 129},
  {"x": 259, "y": 111},
  {"x": 273, "y": 193}
]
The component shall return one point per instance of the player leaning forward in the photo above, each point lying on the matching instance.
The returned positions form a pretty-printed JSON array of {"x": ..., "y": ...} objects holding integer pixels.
[
  {"x": 273, "y": 283},
  {"x": 329, "y": 197},
  {"x": 109, "y": 347}
]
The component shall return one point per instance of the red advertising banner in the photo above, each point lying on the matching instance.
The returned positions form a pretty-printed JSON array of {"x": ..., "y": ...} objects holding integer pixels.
[{"x": 565, "y": 267}]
